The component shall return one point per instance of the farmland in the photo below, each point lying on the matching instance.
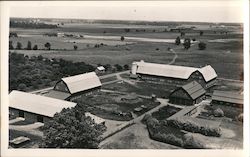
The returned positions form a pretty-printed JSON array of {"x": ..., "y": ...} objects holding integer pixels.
[{"x": 150, "y": 45}]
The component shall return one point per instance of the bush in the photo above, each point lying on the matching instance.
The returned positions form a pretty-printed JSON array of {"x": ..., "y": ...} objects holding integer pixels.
[
  {"x": 146, "y": 117},
  {"x": 35, "y": 47},
  {"x": 193, "y": 125},
  {"x": 202, "y": 46},
  {"x": 191, "y": 142},
  {"x": 218, "y": 112}
]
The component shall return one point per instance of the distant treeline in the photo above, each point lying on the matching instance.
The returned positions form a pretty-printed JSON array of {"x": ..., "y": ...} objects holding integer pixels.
[{"x": 27, "y": 24}]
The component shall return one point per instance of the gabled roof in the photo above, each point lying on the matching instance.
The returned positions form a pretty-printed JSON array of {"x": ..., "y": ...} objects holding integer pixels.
[
  {"x": 37, "y": 104},
  {"x": 194, "y": 89},
  {"x": 174, "y": 71},
  {"x": 82, "y": 82},
  {"x": 208, "y": 73},
  {"x": 227, "y": 97}
]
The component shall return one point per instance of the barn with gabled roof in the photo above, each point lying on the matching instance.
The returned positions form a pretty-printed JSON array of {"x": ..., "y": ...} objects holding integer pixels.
[
  {"x": 189, "y": 94},
  {"x": 173, "y": 74},
  {"x": 73, "y": 87}
]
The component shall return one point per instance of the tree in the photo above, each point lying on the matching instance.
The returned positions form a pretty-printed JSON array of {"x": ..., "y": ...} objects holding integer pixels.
[
  {"x": 22, "y": 87},
  {"x": 72, "y": 129},
  {"x": 201, "y": 33},
  {"x": 29, "y": 45},
  {"x": 187, "y": 43},
  {"x": 202, "y": 46},
  {"x": 75, "y": 47},
  {"x": 19, "y": 46},
  {"x": 118, "y": 67},
  {"x": 122, "y": 38},
  {"x": 125, "y": 67},
  {"x": 47, "y": 45},
  {"x": 177, "y": 41},
  {"x": 11, "y": 47},
  {"x": 35, "y": 47},
  {"x": 182, "y": 34}
]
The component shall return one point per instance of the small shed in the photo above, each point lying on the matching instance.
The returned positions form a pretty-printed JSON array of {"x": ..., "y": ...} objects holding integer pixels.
[
  {"x": 100, "y": 69},
  {"x": 189, "y": 94}
]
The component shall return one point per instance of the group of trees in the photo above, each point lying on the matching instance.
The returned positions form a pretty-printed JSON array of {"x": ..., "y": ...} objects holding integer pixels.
[
  {"x": 187, "y": 43},
  {"x": 30, "y": 73},
  {"x": 72, "y": 129}
]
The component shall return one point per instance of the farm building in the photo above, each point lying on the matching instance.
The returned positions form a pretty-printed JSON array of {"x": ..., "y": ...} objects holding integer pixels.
[
  {"x": 172, "y": 74},
  {"x": 35, "y": 108},
  {"x": 100, "y": 70},
  {"x": 74, "y": 87},
  {"x": 189, "y": 94},
  {"x": 227, "y": 98}
]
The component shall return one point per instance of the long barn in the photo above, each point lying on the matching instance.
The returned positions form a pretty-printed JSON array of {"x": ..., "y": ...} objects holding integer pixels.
[
  {"x": 173, "y": 74},
  {"x": 35, "y": 108},
  {"x": 74, "y": 87}
]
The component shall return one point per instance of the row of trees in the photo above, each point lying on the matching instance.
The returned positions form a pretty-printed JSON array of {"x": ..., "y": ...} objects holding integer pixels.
[
  {"x": 27, "y": 24},
  {"x": 19, "y": 46}
]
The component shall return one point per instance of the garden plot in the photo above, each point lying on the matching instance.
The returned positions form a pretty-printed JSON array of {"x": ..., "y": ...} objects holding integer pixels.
[{"x": 117, "y": 106}]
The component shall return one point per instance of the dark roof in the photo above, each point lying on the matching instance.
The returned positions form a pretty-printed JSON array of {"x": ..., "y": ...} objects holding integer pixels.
[
  {"x": 183, "y": 112},
  {"x": 194, "y": 89},
  {"x": 57, "y": 94},
  {"x": 227, "y": 97}
]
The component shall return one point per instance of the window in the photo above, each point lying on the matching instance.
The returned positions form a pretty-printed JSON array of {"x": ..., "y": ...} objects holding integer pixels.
[
  {"x": 40, "y": 118},
  {"x": 21, "y": 114}
]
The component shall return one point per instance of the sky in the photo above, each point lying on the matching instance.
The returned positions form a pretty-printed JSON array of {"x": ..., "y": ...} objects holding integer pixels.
[{"x": 196, "y": 11}]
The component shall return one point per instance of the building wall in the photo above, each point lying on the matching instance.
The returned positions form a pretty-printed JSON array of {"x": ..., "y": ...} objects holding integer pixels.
[
  {"x": 31, "y": 117},
  {"x": 61, "y": 86},
  {"x": 196, "y": 76},
  {"x": 80, "y": 95}
]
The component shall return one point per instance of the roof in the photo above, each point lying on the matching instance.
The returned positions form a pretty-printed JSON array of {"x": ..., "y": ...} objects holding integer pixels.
[
  {"x": 57, "y": 94},
  {"x": 227, "y": 97},
  {"x": 183, "y": 112},
  {"x": 82, "y": 82},
  {"x": 100, "y": 68},
  {"x": 174, "y": 71},
  {"x": 194, "y": 89},
  {"x": 37, "y": 104},
  {"x": 96, "y": 119}
]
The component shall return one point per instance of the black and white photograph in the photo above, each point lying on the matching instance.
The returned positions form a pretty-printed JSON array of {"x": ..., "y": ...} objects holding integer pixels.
[{"x": 112, "y": 75}]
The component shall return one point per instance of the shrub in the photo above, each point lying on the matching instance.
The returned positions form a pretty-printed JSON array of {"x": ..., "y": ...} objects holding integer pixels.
[
  {"x": 218, "y": 112},
  {"x": 146, "y": 117},
  {"x": 202, "y": 46},
  {"x": 193, "y": 125},
  {"x": 191, "y": 142},
  {"x": 35, "y": 47}
]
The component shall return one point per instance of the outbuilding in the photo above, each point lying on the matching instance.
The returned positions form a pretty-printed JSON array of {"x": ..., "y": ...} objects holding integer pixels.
[
  {"x": 35, "y": 108},
  {"x": 74, "y": 87},
  {"x": 227, "y": 98},
  {"x": 189, "y": 94}
]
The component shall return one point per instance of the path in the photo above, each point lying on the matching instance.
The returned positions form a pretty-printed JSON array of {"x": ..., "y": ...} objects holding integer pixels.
[{"x": 175, "y": 57}]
